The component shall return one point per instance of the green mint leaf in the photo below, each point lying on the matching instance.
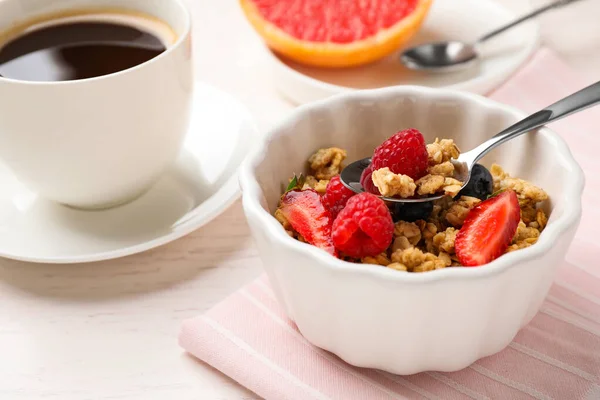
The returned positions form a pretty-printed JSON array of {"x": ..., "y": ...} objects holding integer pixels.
[
  {"x": 297, "y": 182},
  {"x": 301, "y": 181},
  {"x": 496, "y": 193},
  {"x": 293, "y": 184}
]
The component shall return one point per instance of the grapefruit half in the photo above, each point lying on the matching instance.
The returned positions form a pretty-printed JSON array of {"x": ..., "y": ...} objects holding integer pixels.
[{"x": 335, "y": 33}]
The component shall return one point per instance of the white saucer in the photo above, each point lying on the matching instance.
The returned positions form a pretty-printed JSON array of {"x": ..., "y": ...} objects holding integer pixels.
[
  {"x": 200, "y": 185},
  {"x": 448, "y": 19}
]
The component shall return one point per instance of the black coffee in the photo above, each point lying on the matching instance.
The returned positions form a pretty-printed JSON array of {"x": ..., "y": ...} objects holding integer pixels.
[{"x": 77, "y": 50}]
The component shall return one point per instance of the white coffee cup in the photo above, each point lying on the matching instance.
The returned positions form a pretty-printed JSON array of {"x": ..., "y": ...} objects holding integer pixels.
[{"x": 103, "y": 141}]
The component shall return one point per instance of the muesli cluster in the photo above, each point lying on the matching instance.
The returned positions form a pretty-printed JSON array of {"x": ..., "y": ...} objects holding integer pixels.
[{"x": 471, "y": 226}]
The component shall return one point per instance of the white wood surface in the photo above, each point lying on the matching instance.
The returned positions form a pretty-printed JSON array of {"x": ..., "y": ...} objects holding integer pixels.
[{"x": 108, "y": 330}]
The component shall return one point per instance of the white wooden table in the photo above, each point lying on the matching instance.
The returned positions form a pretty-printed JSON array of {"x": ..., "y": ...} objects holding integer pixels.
[{"x": 108, "y": 330}]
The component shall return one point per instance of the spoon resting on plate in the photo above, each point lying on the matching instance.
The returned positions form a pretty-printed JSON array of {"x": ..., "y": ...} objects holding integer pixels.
[
  {"x": 454, "y": 55},
  {"x": 585, "y": 98}
]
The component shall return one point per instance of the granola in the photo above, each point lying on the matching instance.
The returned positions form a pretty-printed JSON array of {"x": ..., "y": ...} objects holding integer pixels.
[
  {"x": 528, "y": 193},
  {"x": 444, "y": 241},
  {"x": 442, "y": 151},
  {"x": 428, "y": 232},
  {"x": 415, "y": 260},
  {"x": 429, "y": 243},
  {"x": 327, "y": 163},
  {"x": 320, "y": 185},
  {"x": 398, "y": 267},
  {"x": 458, "y": 211},
  {"x": 525, "y": 237},
  {"x": 430, "y": 184},
  {"x": 438, "y": 214},
  {"x": 401, "y": 243},
  {"x": 381, "y": 259},
  {"x": 445, "y": 169},
  {"x": 541, "y": 220},
  {"x": 525, "y": 232},
  {"x": 284, "y": 222},
  {"x": 409, "y": 230},
  {"x": 391, "y": 184},
  {"x": 452, "y": 187}
]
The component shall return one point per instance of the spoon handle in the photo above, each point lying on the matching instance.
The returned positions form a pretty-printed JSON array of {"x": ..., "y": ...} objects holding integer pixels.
[
  {"x": 576, "y": 102},
  {"x": 524, "y": 18}
]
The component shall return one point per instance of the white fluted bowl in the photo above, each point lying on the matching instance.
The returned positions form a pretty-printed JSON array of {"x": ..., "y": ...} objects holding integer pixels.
[{"x": 405, "y": 323}]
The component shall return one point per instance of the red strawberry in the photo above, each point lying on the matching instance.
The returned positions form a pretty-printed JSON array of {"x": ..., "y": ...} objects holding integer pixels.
[
  {"x": 364, "y": 227},
  {"x": 404, "y": 153},
  {"x": 307, "y": 215},
  {"x": 366, "y": 180},
  {"x": 336, "y": 196},
  {"x": 488, "y": 230}
]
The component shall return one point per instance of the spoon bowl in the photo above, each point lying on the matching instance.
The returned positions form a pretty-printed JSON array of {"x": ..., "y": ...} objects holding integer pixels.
[
  {"x": 440, "y": 56},
  {"x": 350, "y": 177}
]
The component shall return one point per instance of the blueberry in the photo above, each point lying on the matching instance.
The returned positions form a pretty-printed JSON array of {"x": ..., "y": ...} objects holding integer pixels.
[
  {"x": 481, "y": 184},
  {"x": 410, "y": 212}
]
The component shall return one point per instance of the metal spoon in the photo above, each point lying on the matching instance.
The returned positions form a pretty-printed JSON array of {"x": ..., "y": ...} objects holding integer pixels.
[
  {"x": 454, "y": 55},
  {"x": 576, "y": 102}
]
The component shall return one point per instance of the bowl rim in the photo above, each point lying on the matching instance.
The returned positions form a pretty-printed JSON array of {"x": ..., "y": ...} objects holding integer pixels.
[{"x": 252, "y": 193}]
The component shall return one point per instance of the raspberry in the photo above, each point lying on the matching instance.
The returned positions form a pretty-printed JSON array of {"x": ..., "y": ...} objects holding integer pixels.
[
  {"x": 404, "y": 153},
  {"x": 336, "y": 196},
  {"x": 366, "y": 180},
  {"x": 364, "y": 228}
]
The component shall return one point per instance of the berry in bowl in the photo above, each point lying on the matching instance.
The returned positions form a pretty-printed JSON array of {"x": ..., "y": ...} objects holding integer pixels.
[{"x": 410, "y": 287}]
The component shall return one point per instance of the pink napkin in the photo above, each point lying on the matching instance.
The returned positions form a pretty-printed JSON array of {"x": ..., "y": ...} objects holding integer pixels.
[{"x": 556, "y": 356}]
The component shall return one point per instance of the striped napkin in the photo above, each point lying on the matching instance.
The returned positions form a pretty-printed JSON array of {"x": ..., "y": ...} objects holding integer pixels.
[{"x": 556, "y": 356}]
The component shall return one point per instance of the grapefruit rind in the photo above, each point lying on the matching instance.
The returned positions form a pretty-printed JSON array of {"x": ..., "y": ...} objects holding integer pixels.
[{"x": 335, "y": 55}]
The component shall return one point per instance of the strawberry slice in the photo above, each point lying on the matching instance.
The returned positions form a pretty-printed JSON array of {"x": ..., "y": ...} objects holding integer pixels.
[
  {"x": 307, "y": 215},
  {"x": 488, "y": 230}
]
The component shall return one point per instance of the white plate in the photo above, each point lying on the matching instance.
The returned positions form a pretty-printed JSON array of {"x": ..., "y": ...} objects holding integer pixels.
[
  {"x": 200, "y": 185},
  {"x": 448, "y": 19}
]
